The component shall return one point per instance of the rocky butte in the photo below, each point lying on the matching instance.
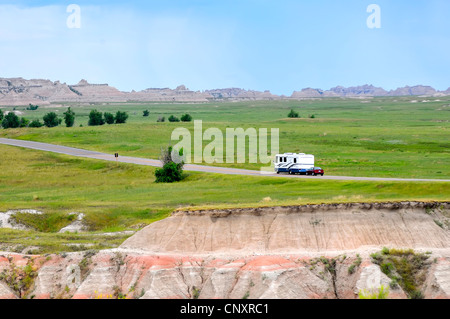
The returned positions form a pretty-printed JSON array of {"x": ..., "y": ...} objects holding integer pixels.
[{"x": 18, "y": 91}]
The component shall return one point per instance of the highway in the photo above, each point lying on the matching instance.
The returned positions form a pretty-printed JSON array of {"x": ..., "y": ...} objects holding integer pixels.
[{"x": 190, "y": 167}]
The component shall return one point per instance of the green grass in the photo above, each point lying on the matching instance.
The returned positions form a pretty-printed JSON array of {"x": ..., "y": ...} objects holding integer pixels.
[
  {"x": 405, "y": 267},
  {"x": 384, "y": 137},
  {"x": 387, "y": 137},
  {"x": 116, "y": 197}
]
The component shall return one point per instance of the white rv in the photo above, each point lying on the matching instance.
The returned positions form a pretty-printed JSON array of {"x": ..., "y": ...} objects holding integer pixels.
[{"x": 291, "y": 162}]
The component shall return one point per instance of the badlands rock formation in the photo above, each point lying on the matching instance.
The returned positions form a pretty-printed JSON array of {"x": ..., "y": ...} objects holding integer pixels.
[
  {"x": 18, "y": 91},
  {"x": 279, "y": 252}
]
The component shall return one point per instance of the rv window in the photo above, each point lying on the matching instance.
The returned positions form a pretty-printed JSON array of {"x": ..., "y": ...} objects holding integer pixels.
[{"x": 295, "y": 161}]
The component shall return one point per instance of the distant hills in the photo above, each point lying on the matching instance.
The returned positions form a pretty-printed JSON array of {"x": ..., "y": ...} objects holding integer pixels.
[{"x": 18, "y": 91}]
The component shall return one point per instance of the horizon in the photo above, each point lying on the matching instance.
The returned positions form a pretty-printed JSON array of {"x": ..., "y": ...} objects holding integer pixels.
[{"x": 253, "y": 45}]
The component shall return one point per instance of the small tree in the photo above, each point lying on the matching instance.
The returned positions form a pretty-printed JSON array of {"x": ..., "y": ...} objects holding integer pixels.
[
  {"x": 1, "y": 115},
  {"x": 32, "y": 107},
  {"x": 11, "y": 120},
  {"x": 109, "y": 118},
  {"x": 121, "y": 117},
  {"x": 35, "y": 123},
  {"x": 51, "y": 120},
  {"x": 95, "y": 118},
  {"x": 293, "y": 114},
  {"x": 69, "y": 118},
  {"x": 186, "y": 118},
  {"x": 146, "y": 113},
  {"x": 24, "y": 122},
  {"x": 171, "y": 171},
  {"x": 173, "y": 119},
  {"x": 161, "y": 119}
]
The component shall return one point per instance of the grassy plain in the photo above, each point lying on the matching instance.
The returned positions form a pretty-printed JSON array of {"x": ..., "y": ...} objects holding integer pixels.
[
  {"x": 405, "y": 137},
  {"x": 385, "y": 137},
  {"x": 117, "y": 197}
]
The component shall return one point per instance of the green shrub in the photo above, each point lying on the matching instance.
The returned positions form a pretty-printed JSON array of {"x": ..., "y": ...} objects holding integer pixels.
[
  {"x": 51, "y": 120},
  {"x": 146, "y": 113},
  {"x": 121, "y": 117},
  {"x": 173, "y": 119},
  {"x": 32, "y": 107},
  {"x": 382, "y": 293},
  {"x": 186, "y": 118},
  {"x": 69, "y": 117},
  {"x": 96, "y": 118},
  {"x": 1, "y": 115},
  {"x": 169, "y": 173},
  {"x": 293, "y": 114},
  {"x": 24, "y": 122},
  {"x": 35, "y": 123},
  {"x": 109, "y": 118},
  {"x": 161, "y": 119},
  {"x": 11, "y": 120}
]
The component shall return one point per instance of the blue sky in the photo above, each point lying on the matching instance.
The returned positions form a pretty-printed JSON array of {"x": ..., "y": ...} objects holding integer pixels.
[{"x": 280, "y": 46}]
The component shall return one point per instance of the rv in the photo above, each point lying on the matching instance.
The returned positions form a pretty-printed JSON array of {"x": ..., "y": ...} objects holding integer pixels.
[{"x": 293, "y": 163}]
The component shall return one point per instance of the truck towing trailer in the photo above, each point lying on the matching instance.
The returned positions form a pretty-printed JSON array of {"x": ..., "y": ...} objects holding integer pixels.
[{"x": 293, "y": 163}]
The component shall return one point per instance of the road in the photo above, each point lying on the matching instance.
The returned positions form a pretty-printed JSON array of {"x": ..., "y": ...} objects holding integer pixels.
[{"x": 190, "y": 167}]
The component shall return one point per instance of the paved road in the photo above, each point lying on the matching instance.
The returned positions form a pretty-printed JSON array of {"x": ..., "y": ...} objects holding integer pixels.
[{"x": 188, "y": 167}]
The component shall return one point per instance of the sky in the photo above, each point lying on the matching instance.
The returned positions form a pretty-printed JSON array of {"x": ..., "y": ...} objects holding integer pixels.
[{"x": 281, "y": 46}]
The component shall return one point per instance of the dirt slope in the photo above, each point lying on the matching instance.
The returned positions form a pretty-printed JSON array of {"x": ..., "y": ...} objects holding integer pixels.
[{"x": 297, "y": 229}]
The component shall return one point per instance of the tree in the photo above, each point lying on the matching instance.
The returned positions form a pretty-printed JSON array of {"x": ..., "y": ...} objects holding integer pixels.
[
  {"x": 171, "y": 171},
  {"x": 11, "y": 120},
  {"x": 1, "y": 115},
  {"x": 293, "y": 114},
  {"x": 35, "y": 123},
  {"x": 51, "y": 120},
  {"x": 95, "y": 118},
  {"x": 32, "y": 107},
  {"x": 24, "y": 122},
  {"x": 69, "y": 118},
  {"x": 121, "y": 117},
  {"x": 146, "y": 113},
  {"x": 161, "y": 119},
  {"x": 186, "y": 118},
  {"x": 173, "y": 119},
  {"x": 109, "y": 118}
]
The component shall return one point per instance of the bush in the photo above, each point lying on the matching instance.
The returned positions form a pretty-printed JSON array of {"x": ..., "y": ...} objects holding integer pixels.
[
  {"x": 32, "y": 107},
  {"x": 146, "y": 113},
  {"x": 382, "y": 293},
  {"x": 11, "y": 120},
  {"x": 173, "y": 119},
  {"x": 171, "y": 171},
  {"x": 293, "y": 114},
  {"x": 186, "y": 118},
  {"x": 109, "y": 118},
  {"x": 161, "y": 119},
  {"x": 35, "y": 123},
  {"x": 24, "y": 122},
  {"x": 1, "y": 115},
  {"x": 121, "y": 117},
  {"x": 51, "y": 120},
  {"x": 96, "y": 118},
  {"x": 69, "y": 117}
]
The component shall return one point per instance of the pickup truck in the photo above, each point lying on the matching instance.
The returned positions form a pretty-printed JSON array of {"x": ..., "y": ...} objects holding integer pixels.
[{"x": 315, "y": 171}]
